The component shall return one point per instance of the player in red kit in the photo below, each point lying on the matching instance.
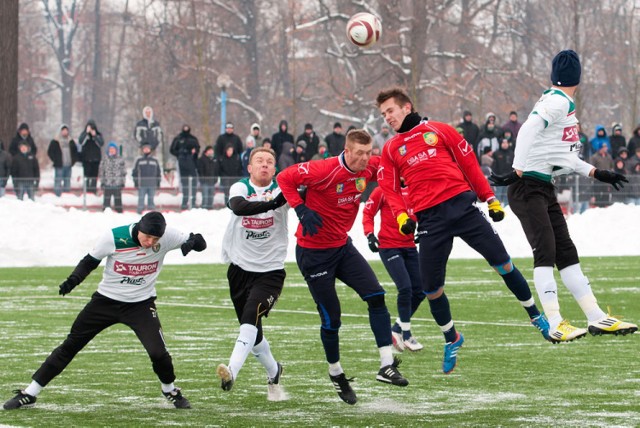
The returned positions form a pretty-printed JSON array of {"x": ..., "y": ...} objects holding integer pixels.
[
  {"x": 444, "y": 181},
  {"x": 400, "y": 257},
  {"x": 325, "y": 252}
]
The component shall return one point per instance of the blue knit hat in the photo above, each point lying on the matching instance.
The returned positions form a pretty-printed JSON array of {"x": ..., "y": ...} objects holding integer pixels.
[{"x": 566, "y": 69}]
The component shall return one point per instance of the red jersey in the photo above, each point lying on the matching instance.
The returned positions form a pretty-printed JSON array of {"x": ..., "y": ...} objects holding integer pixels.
[
  {"x": 333, "y": 191},
  {"x": 437, "y": 164},
  {"x": 389, "y": 235}
]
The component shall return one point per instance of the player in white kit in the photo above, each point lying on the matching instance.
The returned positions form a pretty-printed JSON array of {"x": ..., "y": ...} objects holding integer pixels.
[
  {"x": 256, "y": 245},
  {"x": 126, "y": 295},
  {"x": 547, "y": 146}
]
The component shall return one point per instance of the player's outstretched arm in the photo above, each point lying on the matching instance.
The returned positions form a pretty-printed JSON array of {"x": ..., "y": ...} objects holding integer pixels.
[
  {"x": 195, "y": 242},
  {"x": 242, "y": 207},
  {"x": 87, "y": 265}
]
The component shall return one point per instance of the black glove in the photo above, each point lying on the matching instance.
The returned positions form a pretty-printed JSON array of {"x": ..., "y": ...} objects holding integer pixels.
[
  {"x": 195, "y": 242},
  {"x": 278, "y": 201},
  {"x": 610, "y": 177},
  {"x": 309, "y": 219},
  {"x": 373, "y": 242},
  {"x": 503, "y": 180},
  {"x": 68, "y": 285}
]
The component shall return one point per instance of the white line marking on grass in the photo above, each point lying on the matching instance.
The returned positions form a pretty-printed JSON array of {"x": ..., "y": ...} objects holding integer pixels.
[{"x": 286, "y": 311}]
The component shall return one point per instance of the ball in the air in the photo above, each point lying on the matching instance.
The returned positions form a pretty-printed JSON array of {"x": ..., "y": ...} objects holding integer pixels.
[{"x": 363, "y": 29}]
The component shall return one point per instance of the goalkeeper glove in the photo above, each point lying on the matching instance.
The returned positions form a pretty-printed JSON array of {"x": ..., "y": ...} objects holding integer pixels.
[
  {"x": 195, "y": 242},
  {"x": 504, "y": 180},
  {"x": 309, "y": 219},
  {"x": 373, "y": 242},
  {"x": 610, "y": 177},
  {"x": 406, "y": 225},
  {"x": 496, "y": 212},
  {"x": 68, "y": 285}
]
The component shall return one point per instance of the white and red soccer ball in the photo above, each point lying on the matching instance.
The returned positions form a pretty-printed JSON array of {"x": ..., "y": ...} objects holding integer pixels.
[{"x": 363, "y": 29}]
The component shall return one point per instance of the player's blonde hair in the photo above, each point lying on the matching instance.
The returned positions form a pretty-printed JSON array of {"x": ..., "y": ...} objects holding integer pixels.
[
  {"x": 261, "y": 150},
  {"x": 357, "y": 136}
]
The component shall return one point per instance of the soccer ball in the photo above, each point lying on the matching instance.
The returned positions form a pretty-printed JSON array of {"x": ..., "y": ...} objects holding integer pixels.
[{"x": 363, "y": 29}]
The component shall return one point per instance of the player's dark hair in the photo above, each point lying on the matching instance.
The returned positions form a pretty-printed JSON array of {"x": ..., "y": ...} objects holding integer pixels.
[
  {"x": 398, "y": 94},
  {"x": 358, "y": 136},
  {"x": 261, "y": 150}
]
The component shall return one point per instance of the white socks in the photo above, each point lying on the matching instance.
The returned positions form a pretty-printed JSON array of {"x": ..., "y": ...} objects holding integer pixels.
[
  {"x": 244, "y": 345},
  {"x": 167, "y": 387},
  {"x": 335, "y": 369},
  {"x": 33, "y": 389},
  {"x": 386, "y": 356},
  {"x": 262, "y": 352},
  {"x": 579, "y": 286},
  {"x": 548, "y": 294}
]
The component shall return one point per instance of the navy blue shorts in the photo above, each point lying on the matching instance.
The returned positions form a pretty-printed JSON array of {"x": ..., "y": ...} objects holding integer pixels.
[
  {"x": 437, "y": 226},
  {"x": 321, "y": 268}
]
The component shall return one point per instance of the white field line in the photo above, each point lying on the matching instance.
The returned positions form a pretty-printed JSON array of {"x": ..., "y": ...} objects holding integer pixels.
[{"x": 275, "y": 310}]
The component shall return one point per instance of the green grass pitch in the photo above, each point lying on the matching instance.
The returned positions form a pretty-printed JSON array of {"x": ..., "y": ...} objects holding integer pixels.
[{"x": 506, "y": 375}]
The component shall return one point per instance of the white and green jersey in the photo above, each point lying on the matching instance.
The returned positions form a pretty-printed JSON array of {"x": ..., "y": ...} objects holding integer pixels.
[
  {"x": 256, "y": 243},
  {"x": 131, "y": 271},
  {"x": 554, "y": 149}
]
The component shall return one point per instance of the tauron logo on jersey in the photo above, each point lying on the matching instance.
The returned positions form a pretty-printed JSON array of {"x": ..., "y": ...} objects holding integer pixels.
[
  {"x": 402, "y": 150},
  {"x": 339, "y": 188},
  {"x": 430, "y": 138},
  {"x": 570, "y": 134},
  {"x": 464, "y": 148},
  {"x": 132, "y": 269},
  {"x": 361, "y": 184},
  {"x": 257, "y": 223}
]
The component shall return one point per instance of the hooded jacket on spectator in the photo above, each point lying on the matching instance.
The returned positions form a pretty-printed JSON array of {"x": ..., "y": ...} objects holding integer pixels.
[
  {"x": 13, "y": 147},
  {"x": 24, "y": 167},
  {"x": 280, "y": 137},
  {"x": 185, "y": 147},
  {"x": 598, "y": 140},
  {"x": 56, "y": 146},
  {"x": 90, "y": 146}
]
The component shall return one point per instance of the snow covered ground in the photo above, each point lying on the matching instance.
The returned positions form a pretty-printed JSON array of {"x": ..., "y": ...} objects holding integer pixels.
[{"x": 41, "y": 234}]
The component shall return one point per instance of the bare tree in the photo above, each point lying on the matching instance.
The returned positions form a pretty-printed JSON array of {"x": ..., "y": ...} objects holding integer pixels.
[{"x": 8, "y": 69}]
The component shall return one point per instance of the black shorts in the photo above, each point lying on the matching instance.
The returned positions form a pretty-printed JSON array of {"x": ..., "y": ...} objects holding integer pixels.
[
  {"x": 535, "y": 204},
  {"x": 439, "y": 225},
  {"x": 254, "y": 293}
]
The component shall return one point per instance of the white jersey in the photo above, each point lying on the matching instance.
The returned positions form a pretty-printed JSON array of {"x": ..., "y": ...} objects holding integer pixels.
[
  {"x": 256, "y": 243},
  {"x": 131, "y": 271},
  {"x": 554, "y": 150}
]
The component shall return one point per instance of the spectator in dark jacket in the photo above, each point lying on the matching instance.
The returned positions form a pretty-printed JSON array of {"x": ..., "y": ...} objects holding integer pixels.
[
  {"x": 512, "y": 125},
  {"x": 634, "y": 141},
  {"x": 229, "y": 168},
  {"x": 301, "y": 152},
  {"x": 470, "y": 130},
  {"x": 229, "y": 137},
  {"x": 185, "y": 147},
  {"x": 489, "y": 137},
  {"x": 5, "y": 168},
  {"x": 287, "y": 157},
  {"x": 207, "y": 172},
  {"x": 112, "y": 176},
  {"x": 146, "y": 177},
  {"x": 246, "y": 154},
  {"x": 335, "y": 141},
  {"x": 616, "y": 139},
  {"x": 90, "y": 148},
  {"x": 25, "y": 172},
  {"x": 63, "y": 152},
  {"x": 310, "y": 139},
  {"x": 279, "y": 138},
  {"x": 23, "y": 134},
  {"x": 502, "y": 161}
]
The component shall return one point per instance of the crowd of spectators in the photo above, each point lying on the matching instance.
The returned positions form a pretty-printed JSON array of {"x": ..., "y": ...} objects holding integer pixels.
[{"x": 213, "y": 169}]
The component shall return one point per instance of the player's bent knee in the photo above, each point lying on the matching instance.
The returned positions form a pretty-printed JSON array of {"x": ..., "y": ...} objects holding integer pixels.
[
  {"x": 504, "y": 268},
  {"x": 376, "y": 301},
  {"x": 432, "y": 295}
]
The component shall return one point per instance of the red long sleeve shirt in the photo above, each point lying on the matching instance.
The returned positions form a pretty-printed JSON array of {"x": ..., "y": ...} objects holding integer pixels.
[
  {"x": 389, "y": 236},
  {"x": 333, "y": 191},
  {"x": 437, "y": 164}
]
